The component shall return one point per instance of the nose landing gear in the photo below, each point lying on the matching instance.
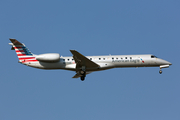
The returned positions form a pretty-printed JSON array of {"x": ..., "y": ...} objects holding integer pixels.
[{"x": 163, "y": 66}]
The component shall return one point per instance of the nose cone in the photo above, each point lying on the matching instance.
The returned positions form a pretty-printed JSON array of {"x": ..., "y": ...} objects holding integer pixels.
[{"x": 164, "y": 62}]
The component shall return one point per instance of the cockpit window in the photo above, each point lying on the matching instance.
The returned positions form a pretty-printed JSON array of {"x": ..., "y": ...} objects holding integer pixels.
[{"x": 152, "y": 56}]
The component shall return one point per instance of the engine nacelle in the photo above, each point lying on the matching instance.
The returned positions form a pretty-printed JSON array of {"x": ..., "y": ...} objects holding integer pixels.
[{"x": 48, "y": 57}]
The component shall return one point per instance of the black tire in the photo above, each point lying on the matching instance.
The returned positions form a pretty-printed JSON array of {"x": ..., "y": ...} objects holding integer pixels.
[
  {"x": 82, "y": 78},
  {"x": 83, "y": 73}
]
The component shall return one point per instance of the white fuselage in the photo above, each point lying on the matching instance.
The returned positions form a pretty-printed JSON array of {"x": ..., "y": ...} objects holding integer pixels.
[
  {"x": 104, "y": 62},
  {"x": 81, "y": 64}
]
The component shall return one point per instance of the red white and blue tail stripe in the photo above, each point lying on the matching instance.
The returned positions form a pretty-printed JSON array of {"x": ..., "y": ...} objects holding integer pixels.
[{"x": 23, "y": 53}]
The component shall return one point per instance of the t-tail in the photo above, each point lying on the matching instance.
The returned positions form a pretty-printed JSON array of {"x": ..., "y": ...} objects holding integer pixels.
[{"x": 23, "y": 53}]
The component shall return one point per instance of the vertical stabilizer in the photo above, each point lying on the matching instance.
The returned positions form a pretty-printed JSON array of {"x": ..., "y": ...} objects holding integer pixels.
[{"x": 22, "y": 51}]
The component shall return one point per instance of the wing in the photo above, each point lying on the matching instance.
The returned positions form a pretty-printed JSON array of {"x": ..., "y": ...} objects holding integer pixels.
[{"x": 81, "y": 60}]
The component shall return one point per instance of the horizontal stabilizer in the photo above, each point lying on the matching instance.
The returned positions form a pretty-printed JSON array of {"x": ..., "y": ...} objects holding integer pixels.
[{"x": 15, "y": 42}]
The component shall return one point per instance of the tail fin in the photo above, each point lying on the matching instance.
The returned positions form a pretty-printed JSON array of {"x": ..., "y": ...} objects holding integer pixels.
[{"x": 22, "y": 51}]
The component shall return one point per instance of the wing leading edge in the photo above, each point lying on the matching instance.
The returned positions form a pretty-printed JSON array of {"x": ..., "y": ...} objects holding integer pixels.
[{"x": 81, "y": 60}]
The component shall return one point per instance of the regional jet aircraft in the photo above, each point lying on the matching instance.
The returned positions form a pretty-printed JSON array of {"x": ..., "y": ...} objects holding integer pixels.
[{"x": 84, "y": 65}]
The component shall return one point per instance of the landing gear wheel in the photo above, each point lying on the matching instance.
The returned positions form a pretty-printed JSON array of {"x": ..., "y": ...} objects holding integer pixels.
[
  {"x": 82, "y": 78},
  {"x": 82, "y": 72},
  {"x": 160, "y": 71}
]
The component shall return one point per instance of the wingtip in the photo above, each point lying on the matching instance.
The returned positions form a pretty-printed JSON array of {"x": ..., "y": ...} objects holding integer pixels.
[{"x": 73, "y": 51}]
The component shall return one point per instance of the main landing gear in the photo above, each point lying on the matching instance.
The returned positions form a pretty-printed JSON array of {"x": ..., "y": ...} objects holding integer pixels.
[
  {"x": 82, "y": 78},
  {"x": 83, "y": 73}
]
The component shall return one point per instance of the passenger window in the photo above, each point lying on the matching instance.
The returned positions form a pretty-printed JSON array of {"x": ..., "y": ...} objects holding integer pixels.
[
  {"x": 121, "y": 58},
  {"x": 99, "y": 58},
  {"x": 103, "y": 58},
  {"x": 72, "y": 59},
  {"x": 68, "y": 59},
  {"x": 116, "y": 58},
  {"x": 90, "y": 58},
  {"x": 130, "y": 57},
  {"x": 113, "y": 58},
  {"x": 125, "y": 57}
]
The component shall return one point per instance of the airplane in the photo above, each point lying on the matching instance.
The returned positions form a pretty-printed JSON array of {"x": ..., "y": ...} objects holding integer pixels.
[{"x": 81, "y": 64}]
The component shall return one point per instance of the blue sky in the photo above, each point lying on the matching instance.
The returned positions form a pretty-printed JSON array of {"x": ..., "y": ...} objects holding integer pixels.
[{"x": 92, "y": 27}]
